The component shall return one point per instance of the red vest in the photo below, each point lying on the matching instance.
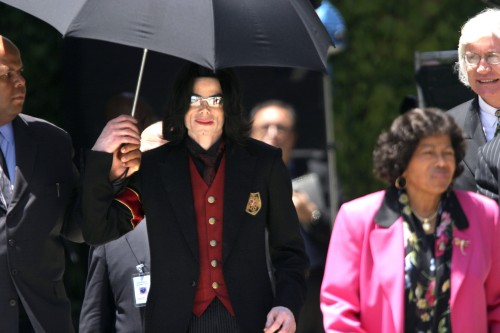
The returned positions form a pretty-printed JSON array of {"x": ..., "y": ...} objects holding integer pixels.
[{"x": 208, "y": 205}]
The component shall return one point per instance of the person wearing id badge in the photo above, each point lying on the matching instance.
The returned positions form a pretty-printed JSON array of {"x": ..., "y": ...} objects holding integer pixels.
[
  {"x": 117, "y": 284},
  {"x": 142, "y": 283},
  {"x": 119, "y": 277}
]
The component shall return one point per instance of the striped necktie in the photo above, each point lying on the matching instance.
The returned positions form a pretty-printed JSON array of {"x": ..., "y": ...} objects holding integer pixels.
[{"x": 497, "y": 113}]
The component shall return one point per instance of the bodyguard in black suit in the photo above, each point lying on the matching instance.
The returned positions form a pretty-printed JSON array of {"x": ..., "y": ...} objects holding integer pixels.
[
  {"x": 41, "y": 176},
  {"x": 478, "y": 68},
  {"x": 210, "y": 195}
]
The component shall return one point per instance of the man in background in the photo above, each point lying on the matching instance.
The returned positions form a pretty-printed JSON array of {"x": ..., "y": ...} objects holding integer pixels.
[
  {"x": 77, "y": 269},
  {"x": 110, "y": 303},
  {"x": 273, "y": 122},
  {"x": 122, "y": 103},
  {"x": 478, "y": 68}
]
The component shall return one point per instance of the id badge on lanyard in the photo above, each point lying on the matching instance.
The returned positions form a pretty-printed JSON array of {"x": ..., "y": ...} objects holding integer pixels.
[{"x": 141, "y": 283}]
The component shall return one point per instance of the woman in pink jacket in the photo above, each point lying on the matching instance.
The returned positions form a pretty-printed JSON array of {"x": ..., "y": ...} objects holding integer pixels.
[{"x": 417, "y": 257}]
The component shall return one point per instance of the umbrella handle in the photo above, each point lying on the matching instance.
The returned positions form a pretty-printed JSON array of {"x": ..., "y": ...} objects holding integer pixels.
[{"x": 138, "y": 87}]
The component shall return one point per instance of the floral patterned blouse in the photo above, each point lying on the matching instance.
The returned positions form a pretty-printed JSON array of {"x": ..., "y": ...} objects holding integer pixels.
[{"x": 427, "y": 270}]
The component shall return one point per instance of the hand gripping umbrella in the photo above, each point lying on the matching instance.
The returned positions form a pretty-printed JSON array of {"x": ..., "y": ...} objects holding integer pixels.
[{"x": 212, "y": 33}]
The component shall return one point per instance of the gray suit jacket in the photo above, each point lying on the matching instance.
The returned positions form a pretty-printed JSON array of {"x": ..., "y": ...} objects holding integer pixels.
[
  {"x": 32, "y": 258},
  {"x": 108, "y": 305},
  {"x": 466, "y": 116}
]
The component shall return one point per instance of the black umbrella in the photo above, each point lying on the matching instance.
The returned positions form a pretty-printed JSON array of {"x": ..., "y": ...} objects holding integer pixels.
[{"x": 215, "y": 34}]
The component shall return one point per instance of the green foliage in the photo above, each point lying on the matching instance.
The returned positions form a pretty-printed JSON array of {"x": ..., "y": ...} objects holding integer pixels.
[
  {"x": 371, "y": 78},
  {"x": 376, "y": 71}
]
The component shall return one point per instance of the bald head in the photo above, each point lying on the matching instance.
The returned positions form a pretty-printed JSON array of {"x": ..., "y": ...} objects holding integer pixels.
[
  {"x": 12, "y": 83},
  {"x": 6, "y": 46},
  {"x": 273, "y": 122}
]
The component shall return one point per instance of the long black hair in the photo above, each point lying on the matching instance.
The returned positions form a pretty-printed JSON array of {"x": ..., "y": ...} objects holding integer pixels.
[{"x": 236, "y": 127}]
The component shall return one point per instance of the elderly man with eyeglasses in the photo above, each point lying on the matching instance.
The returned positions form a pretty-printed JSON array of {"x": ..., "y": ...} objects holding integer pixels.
[{"x": 478, "y": 67}]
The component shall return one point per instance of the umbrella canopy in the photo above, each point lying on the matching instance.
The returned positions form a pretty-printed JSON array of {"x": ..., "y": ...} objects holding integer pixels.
[{"x": 212, "y": 33}]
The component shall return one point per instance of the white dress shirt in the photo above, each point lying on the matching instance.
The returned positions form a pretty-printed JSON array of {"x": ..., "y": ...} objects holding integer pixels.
[{"x": 488, "y": 119}]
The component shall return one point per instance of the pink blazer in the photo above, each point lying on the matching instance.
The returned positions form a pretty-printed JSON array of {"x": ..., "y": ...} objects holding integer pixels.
[{"x": 363, "y": 285}]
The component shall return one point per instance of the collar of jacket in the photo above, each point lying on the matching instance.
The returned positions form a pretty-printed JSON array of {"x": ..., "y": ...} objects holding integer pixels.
[{"x": 389, "y": 210}]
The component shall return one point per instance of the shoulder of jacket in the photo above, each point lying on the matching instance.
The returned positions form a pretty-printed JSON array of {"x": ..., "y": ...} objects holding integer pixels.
[{"x": 42, "y": 125}]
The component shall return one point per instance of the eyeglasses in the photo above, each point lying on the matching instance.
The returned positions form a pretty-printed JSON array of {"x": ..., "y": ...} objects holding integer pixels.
[
  {"x": 473, "y": 59},
  {"x": 211, "y": 101}
]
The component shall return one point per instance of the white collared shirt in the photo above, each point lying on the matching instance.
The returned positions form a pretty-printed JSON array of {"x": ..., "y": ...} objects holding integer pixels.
[{"x": 488, "y": 119}]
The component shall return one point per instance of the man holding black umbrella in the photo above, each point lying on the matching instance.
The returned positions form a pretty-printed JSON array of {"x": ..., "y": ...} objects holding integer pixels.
[{"x": 214, "y": 200}]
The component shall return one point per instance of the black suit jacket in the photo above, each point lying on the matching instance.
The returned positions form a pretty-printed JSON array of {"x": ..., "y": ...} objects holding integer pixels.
[
  {"x": 108, "y": 305},
  {"x": 466, "y": 116},
  {"x": 164, "y": 184},
  {"x": 32, "y": 257}
]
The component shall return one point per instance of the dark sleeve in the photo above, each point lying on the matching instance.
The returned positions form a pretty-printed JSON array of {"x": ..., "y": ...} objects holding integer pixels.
[
  {"x": 102, "y": 217},
  {"x": 98, "y": 308},
  {"x": 319, "y": 232},
  {"x": 285, "y": 242},
  {"x": 71, "y": 226},
  {"x": 487, "y": 171}
]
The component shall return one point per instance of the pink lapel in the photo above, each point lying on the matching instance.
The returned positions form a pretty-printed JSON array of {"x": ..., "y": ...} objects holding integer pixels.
[
  {"x": 463, "y": 247},
  {"x": 388, "y": 252}
]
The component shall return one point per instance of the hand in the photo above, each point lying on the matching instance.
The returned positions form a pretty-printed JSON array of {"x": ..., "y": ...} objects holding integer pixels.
[
  {"x": 280, "y": 319},
  {"x": 121, "y": 137},
  {"x": 117, "y": 132},
  {"x": 304, "y": 207},
  {"x": 126, "y": 159}
]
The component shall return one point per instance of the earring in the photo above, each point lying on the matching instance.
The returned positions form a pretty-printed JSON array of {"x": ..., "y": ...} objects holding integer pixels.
[{"x": 400, "y": 183}]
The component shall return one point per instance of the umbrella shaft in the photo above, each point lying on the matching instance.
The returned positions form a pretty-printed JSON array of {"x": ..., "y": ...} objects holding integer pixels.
[{"x": 139, "y": 80}]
